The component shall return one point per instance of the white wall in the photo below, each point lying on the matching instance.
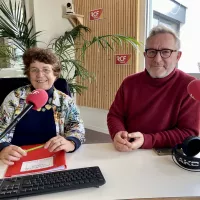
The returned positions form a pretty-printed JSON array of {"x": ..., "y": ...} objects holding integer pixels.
[{"x": 95, "y": 119}]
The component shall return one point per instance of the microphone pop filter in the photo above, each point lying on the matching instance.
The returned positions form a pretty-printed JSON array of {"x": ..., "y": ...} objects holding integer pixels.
[
  {"x": 38, "y": 98},
  {"x": 193, "y": 89}
]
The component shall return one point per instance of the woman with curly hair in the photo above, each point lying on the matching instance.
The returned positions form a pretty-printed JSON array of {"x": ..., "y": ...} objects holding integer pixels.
[{"x": 57, "y": 124}]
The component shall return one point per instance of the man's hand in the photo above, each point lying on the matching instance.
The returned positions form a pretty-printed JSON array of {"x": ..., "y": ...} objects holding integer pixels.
[
  {"x": 59, "y": 143},
  {"x": 11, "y": 153},
  {"x": 138, "y": 140},
  {"x": 121, "y": 140}
]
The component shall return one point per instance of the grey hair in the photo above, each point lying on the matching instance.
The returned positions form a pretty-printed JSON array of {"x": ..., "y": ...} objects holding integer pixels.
[{"x": 160, "y": 29}]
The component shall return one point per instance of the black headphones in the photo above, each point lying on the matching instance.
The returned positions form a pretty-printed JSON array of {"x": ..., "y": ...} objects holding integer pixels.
[{"x": 183, "y": 154}]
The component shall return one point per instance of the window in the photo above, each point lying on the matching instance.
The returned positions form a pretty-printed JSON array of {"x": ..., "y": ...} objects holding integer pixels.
[{"x": 160, "y": 19}]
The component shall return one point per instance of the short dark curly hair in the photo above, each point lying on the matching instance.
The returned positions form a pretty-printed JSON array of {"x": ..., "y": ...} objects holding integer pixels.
[{"x": 42, "y": 55}]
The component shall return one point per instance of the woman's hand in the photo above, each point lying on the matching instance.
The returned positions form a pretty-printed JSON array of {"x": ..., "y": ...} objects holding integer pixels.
[
  {"x": 59, "y": 143},
  {"x": 11, "y": 153}
]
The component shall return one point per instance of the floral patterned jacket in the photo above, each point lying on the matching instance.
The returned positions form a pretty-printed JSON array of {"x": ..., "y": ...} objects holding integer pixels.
[{"x": 66, "y": 114}]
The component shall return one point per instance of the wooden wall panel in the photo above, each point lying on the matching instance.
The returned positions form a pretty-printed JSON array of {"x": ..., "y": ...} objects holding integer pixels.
[{"x": 119, "y": 17}]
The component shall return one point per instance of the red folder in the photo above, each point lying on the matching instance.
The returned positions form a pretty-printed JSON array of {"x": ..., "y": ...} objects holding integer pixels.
[{"x": 59, "y": 162}]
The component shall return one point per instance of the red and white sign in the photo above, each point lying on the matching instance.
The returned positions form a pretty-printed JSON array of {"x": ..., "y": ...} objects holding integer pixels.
[
  {"x": 123, "y": 59},
  {"x": 96, "y": 14}
]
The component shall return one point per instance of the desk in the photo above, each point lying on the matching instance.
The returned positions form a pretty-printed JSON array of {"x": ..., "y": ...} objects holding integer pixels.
[{"x": 141, "y": 174}]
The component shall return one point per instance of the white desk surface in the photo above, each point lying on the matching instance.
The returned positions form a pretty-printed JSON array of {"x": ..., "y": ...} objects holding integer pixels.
[{"x": 137, "y": 174}]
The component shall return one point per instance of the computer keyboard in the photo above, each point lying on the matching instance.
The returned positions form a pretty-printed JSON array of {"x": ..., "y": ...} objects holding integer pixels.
[{"x": 51, "y": 182}]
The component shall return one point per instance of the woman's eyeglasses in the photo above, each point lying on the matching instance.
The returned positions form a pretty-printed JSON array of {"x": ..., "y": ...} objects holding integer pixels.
[{"x": 36, "y": 71}]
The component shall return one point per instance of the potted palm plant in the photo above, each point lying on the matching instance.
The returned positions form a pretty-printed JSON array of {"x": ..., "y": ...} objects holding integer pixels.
[{"x": 18, "y": 31}]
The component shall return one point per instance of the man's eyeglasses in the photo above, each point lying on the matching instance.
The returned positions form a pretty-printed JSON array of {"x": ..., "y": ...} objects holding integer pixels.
[{"x": 164, "y": 53}]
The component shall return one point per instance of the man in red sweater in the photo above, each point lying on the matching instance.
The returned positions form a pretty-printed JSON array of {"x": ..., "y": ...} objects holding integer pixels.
[{"x": 152, "y": 108}]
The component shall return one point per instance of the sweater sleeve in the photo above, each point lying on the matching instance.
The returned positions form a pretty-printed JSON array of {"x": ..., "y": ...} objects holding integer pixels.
[
  {"x": 116, "y": 114},
  {"x": 188, "y": 124}
]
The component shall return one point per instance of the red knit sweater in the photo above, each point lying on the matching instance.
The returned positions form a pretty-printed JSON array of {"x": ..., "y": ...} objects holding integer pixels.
[{"x": 160, "y": 108}]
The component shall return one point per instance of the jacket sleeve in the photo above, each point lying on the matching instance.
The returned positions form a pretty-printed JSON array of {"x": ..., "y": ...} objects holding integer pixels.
[
  {"x": 74, "y": 127},
  {"x": 7, "y": 110},
  {"x": 116, "y": 114},
  {"x": 188, "y": 124}
]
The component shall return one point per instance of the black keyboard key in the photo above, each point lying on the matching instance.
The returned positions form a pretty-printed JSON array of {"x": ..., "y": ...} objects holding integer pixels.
[{"x": 51, "y": 182}]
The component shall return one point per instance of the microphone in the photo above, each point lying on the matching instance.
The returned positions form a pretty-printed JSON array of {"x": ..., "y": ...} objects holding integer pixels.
[
  {"x": 36, "y": 99},
  {"x": 193, "y": 89}
]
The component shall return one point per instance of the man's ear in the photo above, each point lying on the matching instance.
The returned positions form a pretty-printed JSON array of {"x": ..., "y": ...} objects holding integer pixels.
[
  {"x": 144, "y": 53},
  {"x": 179, "y": 55}
]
